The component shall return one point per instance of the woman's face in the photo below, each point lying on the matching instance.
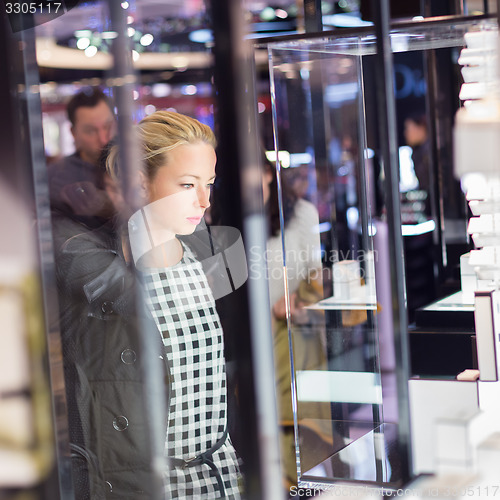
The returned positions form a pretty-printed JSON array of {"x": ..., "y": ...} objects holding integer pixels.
[{"x": 179, "y": 193}]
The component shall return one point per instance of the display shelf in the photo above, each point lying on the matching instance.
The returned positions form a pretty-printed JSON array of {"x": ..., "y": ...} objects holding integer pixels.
[
  {"x": 365, "y": 300},
  {"x": 454, "y": 302},
  {"x": 449, "y": 312}
]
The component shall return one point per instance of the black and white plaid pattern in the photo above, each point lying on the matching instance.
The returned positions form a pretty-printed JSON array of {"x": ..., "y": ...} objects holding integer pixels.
[{"x": 184, "y": 310}]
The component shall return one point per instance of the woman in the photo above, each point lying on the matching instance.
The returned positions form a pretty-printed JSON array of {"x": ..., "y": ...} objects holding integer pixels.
[
  {"x": 103, "y": 328},
  {"x": 176, "y": 180}
]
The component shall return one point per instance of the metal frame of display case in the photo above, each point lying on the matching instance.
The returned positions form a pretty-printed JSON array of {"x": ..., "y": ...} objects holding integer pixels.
[
  {"x": 373, "y": 431},
  {"x": 388, "y": 145},
  {"x": 240, "y": 198}
]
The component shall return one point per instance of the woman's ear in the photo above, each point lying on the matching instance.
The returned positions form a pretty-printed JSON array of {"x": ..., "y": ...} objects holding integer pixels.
[{"x": 144, "y": 185}]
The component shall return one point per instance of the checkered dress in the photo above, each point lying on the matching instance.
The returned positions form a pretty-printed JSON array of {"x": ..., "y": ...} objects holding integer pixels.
[{"x": 184, "y": 310}]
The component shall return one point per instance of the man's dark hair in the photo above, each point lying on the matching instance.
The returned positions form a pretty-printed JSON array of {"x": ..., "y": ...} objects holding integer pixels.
[
  {"x": 419, "y": 118},
  {"x": 87, "y": 98}
]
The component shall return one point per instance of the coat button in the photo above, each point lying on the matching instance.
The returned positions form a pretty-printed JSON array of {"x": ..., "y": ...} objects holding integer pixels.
[
  {"x": 120, "y": 423},
  {"x": 128, "y": 356},
  {"x": 107, "y": 307}
]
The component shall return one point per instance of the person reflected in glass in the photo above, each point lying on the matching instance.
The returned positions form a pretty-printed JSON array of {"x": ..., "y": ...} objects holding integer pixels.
[
  {"x": 175, "y": 184},
  {"x": 304, "y": 281},
  {"x": 417, "y": 137},
  {"x": 76, "y": 182}
]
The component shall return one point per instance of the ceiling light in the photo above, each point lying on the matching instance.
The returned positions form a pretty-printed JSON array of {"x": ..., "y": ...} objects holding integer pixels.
[
  {"x": 135, "y": 55},
  {"x": 189, "y": 90},
  {"x": 91, "y": 51},
  {"x": 201, "y": 36},
  {"x": 284, "y": 157},
  {"x": 161, "y": 89},
  {"x": 268, "y": 14},
  {"x": 83, "y": 33},
  {"x": 109, "y": 35},
  {"x": 130, "y": 31},
  {"x": 146, "y": 39},
  {"x": 282, "y": 14},
  {"x": 125, "y": 5},
  {"x": 82, "y": 43}
]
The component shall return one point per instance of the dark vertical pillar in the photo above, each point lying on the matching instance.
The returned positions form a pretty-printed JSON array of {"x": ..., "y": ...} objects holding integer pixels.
[
  {"x": 312, "y": 16},
  {"x": 248, "y": 323},
  {"x": 440, "y": 142},
  {"x": 386, "y": 107},
  {"x": 123, "y": 80}
]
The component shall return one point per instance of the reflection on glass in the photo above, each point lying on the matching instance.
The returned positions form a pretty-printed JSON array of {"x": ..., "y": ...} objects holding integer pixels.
[
  {"x": 337, "y": 400},
  {"x": 366, "y": 457}
]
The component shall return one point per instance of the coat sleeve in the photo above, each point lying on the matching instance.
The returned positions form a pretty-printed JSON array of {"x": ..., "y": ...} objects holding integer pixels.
[
  {"x": 104, "y": 357},
  {"x": 89, "y": 269}
]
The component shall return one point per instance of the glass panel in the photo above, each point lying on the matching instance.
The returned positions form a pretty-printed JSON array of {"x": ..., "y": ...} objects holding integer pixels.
[{"x": 326, "y": 202}]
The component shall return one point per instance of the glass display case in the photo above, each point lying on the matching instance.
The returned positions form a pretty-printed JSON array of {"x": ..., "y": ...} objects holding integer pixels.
[{"x": 333, "y": 236}]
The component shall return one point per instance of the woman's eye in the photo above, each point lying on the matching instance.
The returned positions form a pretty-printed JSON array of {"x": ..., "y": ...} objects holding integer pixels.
[{"x": 187, "y": 186}]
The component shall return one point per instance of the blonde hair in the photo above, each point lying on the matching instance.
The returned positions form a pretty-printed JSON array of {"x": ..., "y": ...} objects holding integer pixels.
[{"x": 158, "y": 134}]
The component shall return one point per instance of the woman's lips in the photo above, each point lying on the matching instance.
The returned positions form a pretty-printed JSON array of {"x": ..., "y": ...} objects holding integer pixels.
[{"x": 194, "y": 220}]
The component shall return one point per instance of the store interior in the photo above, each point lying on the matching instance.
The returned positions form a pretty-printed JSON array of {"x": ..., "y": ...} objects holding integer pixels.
[{"x": 354, "y": 212}]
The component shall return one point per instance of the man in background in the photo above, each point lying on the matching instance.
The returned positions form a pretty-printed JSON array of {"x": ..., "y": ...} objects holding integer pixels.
[
  {"x": 417, "y": 137},
  {"x": 93, "y": 123},
  {"x": 77, "y": 182}
]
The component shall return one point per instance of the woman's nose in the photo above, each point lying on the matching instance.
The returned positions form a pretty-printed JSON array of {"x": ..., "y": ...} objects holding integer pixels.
[{"x": 203, "y": 196}]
